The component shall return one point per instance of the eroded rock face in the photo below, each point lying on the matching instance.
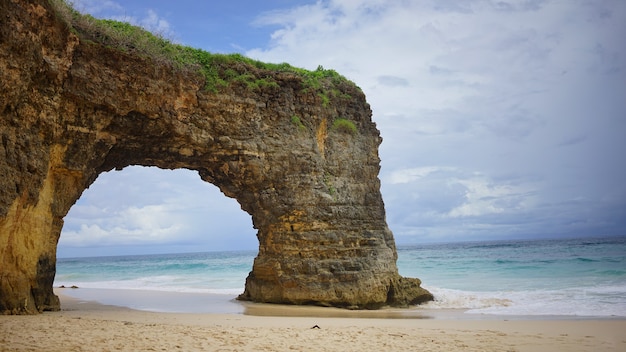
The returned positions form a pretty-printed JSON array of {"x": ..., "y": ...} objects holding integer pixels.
[{"x": 71, "y": 109}]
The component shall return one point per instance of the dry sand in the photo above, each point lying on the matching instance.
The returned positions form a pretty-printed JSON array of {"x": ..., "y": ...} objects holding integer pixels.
[{"x": 88, "y": 326}]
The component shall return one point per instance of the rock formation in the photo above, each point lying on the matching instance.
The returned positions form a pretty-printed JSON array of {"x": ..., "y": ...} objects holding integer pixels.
[{"x": 303, "y": 164}]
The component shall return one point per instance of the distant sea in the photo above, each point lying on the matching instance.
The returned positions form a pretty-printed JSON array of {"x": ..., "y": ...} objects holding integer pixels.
[{"x": 575, "y": 277}]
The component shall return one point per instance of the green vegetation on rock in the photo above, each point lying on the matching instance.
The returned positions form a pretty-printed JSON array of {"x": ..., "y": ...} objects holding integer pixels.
[
  {"x": 329, "y": 184},
  {"x": 344, "y": 125},
  {"x": 296, "y": 121},
  {"x": 219, "y": 70}
]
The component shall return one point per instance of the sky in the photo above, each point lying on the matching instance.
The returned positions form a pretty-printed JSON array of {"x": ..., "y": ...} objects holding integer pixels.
[{"x": 500, "y": 119}]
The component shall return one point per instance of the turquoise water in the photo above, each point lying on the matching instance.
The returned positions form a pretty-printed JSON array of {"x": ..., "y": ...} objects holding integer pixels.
[
  {"x": 210, "y": 272},
  {"x": 577, "y": 277}
]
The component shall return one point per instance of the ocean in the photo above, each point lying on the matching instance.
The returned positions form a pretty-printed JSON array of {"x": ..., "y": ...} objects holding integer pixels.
[{"x": 584, "y": 277}]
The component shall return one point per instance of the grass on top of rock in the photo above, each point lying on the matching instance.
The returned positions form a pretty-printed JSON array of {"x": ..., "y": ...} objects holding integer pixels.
[
  {"x": 344, "y": 125},
  {"x": 219, "y": 70}
]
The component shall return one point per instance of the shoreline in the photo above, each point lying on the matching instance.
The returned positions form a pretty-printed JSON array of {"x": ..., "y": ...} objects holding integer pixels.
[
  {"x": 84, "y": 325},
  {"x": 213, "y": 303}
]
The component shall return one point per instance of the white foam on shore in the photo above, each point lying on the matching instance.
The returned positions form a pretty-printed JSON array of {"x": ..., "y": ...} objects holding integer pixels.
[{"x": 606, "y": 301}]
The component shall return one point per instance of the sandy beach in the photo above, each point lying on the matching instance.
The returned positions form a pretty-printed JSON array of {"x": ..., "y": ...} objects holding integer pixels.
[{"x": 88, "y": 326}]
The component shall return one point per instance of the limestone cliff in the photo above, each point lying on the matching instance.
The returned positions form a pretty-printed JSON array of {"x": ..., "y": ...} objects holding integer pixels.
[{"x": 304, "y": 164}]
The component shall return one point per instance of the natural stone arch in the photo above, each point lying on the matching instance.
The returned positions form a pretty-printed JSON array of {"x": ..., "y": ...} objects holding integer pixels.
[{"x": 72, "y": 109}]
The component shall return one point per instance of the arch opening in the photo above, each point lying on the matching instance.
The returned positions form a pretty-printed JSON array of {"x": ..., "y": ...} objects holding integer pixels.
[
  {"x": 147, "y": 210},
  {"x": 147, "y": 229}
]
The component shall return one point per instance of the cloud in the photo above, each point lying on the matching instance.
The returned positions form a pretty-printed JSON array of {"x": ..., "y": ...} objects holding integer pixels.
[
  {"x": 96, "y": 7},
  {"x": 445, "y": 198},
  {"x": 154, "y": 23},
  {"x": 415, "y": 174},
  {"x": 484, "y": 197},
  {"x": 149, "y": 20},
  {"x": 392, "y": 81},
  {"x": 129, "y": 226},
  {"x": 142, "y": 206}
]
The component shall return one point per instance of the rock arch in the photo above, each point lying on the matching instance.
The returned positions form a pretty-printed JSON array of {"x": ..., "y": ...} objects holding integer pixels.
[{"x": 71, "y": 109}]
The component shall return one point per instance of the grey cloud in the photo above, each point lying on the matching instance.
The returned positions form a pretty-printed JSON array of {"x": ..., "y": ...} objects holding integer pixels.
[
  {"x": 507, "y": 6},
  {"x": 393, "y": 81},
  {"x": 514, "y": 124},
  {"x": 469, "y": 6},
  {"x": 438, "y": 70},
  {"x": 453, "y": 6}
]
